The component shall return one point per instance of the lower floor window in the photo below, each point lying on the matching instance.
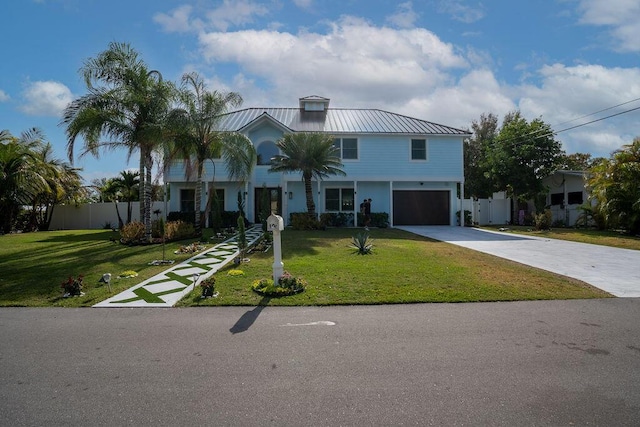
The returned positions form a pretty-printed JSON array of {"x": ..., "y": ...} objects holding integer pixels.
[
  {"x": 187, "y": 200},
  {"x": 339, "y": 199}
]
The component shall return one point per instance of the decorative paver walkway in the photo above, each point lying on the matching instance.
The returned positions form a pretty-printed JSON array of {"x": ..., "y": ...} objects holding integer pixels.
[{"x": 167, "y": 288}]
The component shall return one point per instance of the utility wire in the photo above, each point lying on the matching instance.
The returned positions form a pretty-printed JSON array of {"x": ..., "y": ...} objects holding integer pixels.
[{"x": 533, "y": 134}]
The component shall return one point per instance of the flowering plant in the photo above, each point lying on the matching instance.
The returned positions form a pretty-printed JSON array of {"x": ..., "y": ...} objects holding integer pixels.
[
  {"x": 208, "y": 287},
  {"x": 72, "y": 287},
  {"x": 127, "y": 274},
  {"x": 190, "y": 248},
  {"x": 235, "y": 272},
  {"x": 287, "y": 285}
]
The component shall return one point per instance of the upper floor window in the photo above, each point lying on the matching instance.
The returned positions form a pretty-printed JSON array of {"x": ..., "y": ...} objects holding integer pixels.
[
  {"x": 266, "y": 151},
  {"x": 418, "y": 149},
  {"x": 348, "y": 148}
]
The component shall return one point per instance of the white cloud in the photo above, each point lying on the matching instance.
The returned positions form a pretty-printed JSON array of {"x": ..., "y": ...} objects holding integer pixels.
[
  {"x": 460, "y": 11},
  {"x": 413, "y": 72},
  {"x": 46, "y": 98},
  {"x": 350, "y": 60},
  {"x": 405, "y": 16},
  {"x": 236, "y": 13},
  {"x": 567, "y": 93},
  {"x": 177, "y": 21},
  {"x": 3, "y": 96},
  {"x": 303, "y": 4},
  {"x": 231, "y": 13},
  {"x": 622, "y": 16}
]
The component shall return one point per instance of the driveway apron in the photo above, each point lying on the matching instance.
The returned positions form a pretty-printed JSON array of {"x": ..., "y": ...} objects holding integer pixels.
[{"x": 613, "y": 270}]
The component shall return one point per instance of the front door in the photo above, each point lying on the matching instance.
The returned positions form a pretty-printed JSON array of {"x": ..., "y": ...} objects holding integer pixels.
[{"x": 271, "y": 199}]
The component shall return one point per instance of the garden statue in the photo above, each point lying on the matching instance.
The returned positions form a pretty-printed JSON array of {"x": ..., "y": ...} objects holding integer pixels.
[{"x": 275, "y": 224}]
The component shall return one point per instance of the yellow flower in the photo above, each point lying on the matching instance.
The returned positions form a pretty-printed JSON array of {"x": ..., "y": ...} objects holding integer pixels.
[{"x": 235, "y": 273}]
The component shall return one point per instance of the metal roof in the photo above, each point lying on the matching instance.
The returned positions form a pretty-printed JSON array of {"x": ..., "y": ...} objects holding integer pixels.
[{"x": 338, "y": 120}]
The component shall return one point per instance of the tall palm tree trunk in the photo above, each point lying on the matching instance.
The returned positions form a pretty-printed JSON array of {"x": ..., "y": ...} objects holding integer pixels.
[
  {"x": 142, "y": 182},
  {"x": 198, "y": 202},
  {"x": 311, "y": 206},
  {"x": 147, "y": 198}
]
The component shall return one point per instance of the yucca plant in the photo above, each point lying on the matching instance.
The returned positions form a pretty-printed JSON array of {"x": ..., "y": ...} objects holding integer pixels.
[{"x": 362, "y": 243}]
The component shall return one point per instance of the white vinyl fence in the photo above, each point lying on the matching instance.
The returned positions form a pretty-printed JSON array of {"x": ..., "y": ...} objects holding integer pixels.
[
  {"x": 488, "y": 211},
  {"x": 97, "y": 215}
]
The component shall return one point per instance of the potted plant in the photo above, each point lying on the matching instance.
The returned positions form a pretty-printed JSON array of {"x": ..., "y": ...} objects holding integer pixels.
[
  {"x": 72, "y": 287},
  {"x": 208, "y": 287}
]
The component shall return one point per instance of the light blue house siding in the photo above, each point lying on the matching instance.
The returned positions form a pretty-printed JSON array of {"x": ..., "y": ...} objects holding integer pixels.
[{"x": 421, "y": 191}]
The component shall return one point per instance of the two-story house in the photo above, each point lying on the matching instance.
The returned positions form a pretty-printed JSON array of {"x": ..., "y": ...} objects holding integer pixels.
[{"x": 410, "y": 168}]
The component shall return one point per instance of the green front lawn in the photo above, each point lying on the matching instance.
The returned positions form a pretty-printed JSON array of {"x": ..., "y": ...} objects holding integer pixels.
[
  {"x": 582, "y": 235},
  {"x": 33, "y": 266},
  {"x": 403, "y": 268}
]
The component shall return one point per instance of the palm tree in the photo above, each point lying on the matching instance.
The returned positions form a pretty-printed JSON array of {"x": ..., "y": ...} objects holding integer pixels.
[
  {"x": 128, "y": 184},
  {"x": 127, "y": 104},
  {"x": 63, "y": 183},
  {"x": 20, "y": 178},
  {"x": 198, "y": 138},
  {"x": 311, "y": 153}
]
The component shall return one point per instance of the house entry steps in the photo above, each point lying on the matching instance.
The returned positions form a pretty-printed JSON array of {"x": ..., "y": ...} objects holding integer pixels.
[{"x": 167, "y": 288}]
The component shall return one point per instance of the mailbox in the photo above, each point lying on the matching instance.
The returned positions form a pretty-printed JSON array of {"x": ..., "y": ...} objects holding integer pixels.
[{"x": 275, "y": 222}]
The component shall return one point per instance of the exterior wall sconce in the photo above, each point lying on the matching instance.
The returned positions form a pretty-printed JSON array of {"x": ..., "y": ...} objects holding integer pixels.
[{"x": 290, "y": 195}]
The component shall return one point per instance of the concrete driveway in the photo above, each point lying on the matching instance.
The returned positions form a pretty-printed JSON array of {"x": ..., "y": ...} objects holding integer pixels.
[{"x": 614, "y": 270}]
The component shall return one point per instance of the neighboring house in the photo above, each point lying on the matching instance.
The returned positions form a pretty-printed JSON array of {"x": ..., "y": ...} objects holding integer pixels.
[
  {"x": 412, "y": 169},
  {"x": 567, "y": 191}
]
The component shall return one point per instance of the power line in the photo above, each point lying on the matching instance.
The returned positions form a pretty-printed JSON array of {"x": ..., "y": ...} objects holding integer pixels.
[
  {"x": 597, "y": 112},
  {"x": 533, "y": 134}
]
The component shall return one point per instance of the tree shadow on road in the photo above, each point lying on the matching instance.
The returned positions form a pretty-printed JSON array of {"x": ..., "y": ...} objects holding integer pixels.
[{"x": 246, "y": 320}]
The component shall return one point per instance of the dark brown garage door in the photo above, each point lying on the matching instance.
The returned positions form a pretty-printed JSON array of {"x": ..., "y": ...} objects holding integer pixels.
[{"x": 421, "y": 207}]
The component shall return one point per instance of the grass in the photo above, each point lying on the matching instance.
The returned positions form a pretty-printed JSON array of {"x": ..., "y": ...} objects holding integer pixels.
[
  {"x": 582, "y": 235},
  {"x": 33, "y": 266},
  {"x": 403, "y": 268}
]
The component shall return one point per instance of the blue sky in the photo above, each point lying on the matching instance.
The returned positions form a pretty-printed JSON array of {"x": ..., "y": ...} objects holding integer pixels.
[{"x": 446, "y": 61}]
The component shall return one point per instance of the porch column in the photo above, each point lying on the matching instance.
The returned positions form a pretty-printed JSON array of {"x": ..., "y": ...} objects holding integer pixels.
[
  {"x": 390, "y": 203},
  {"x": 356, "y": 205},
  {"x": 461, "y": 203}
]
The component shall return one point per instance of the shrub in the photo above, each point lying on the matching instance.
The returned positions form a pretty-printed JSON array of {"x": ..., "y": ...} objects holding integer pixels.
[
  {"x": 178, "y": 230},
  {"x": 336, "y": 219},
  {"x": 188, "y": 217},
  {"x": 591, "y": 216},
  {"x": 543, "y": 220},
  {"x": 208, "y": 287},
  {"x": 378, "y": 219},
  {"x": 467, "y": 218},
  {"x": 287, "y": 285},
  {"x": 362, "y": 243},
  {"x": 157, "y": 228},
  {"x": 304, "y": 221},
  {"x": 72, "y": 287},
  {"x": 242, "y": 237},
  {"x": 132, "y": 233}
]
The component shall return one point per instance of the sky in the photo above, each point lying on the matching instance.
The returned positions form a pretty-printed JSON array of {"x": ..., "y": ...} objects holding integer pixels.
[{"x": 567, "y": 62}]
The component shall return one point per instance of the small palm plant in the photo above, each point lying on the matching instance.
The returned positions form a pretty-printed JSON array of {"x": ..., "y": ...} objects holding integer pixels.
[{"x": 362, "y": 243}]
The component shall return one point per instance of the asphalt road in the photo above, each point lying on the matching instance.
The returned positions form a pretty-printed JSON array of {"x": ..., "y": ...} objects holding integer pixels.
[{"x": 540, "y": 363}]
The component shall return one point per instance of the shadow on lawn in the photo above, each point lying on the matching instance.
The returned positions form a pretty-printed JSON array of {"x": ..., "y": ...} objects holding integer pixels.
[{"x": 246, "y": 320}]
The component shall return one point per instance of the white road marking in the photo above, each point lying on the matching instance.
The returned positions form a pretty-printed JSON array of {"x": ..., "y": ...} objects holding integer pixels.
[{"x": 319, "y": 323}]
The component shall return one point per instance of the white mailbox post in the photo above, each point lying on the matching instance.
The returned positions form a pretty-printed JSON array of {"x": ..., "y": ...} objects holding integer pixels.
[{"x": 275, "y": 224}]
